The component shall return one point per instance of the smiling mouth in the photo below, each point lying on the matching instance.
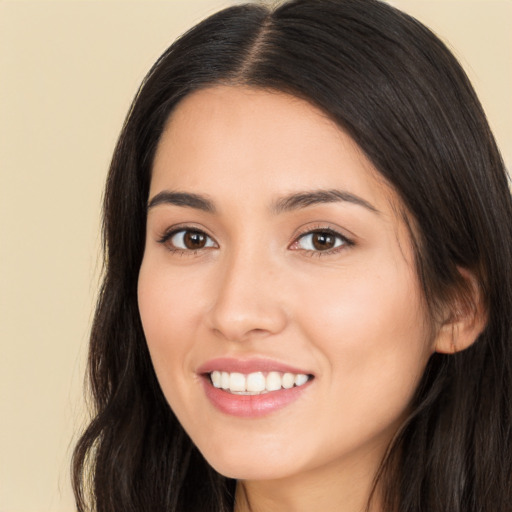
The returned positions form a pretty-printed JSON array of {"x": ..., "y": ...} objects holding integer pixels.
[{"x": 256, "y": 383}]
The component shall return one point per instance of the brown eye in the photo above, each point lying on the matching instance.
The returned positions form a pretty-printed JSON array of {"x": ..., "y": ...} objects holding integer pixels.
[
  {"x": 194, "y": 240},
  {"x": 321, "y": 241},
  {"x": 190, "y": 240}
]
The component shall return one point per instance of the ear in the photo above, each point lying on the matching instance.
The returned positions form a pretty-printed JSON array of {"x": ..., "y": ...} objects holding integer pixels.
[{"x": 465, "y": 320}]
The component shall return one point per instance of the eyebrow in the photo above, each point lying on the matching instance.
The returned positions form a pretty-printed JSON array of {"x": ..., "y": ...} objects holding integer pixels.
[
  {"x": 314, "y": 197},
  {"x": 185, "y": 199},
  {"x": 288, "y": 203}
]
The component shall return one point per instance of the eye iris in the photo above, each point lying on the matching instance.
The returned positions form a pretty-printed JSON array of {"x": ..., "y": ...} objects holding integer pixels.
[
  {"x": 323, "y": 241},
  {"x": 194, "y": 240}
]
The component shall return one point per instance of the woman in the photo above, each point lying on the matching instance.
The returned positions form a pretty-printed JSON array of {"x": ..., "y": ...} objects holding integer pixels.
[{"x": 308, "y": 291}]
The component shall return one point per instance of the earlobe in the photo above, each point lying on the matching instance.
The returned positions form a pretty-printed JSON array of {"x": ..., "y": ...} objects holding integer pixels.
[
  {"x": 457, "y": 336},
  {"x": 466, "y": 319}
]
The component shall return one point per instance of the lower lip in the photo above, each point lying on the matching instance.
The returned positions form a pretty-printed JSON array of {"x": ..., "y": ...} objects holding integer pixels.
[{"x": 252, "y": 406}]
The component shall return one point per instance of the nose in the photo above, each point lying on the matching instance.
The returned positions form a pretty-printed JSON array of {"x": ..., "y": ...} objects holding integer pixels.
[{"x": 247, "y": 300}]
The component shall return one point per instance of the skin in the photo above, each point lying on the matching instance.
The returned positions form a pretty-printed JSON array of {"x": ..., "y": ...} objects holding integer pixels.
[{"x": 354, "y": 316}]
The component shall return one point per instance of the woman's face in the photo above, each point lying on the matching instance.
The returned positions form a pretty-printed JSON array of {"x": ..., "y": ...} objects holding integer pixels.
[{"x": 276, "y": 265}]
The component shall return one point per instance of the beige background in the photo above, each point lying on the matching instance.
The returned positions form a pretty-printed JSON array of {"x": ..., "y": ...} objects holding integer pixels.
[{"x": 68, "y": 71}]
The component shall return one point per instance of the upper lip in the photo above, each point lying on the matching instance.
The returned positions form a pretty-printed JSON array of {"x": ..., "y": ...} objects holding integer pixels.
[{"x": 246, "y": 366}]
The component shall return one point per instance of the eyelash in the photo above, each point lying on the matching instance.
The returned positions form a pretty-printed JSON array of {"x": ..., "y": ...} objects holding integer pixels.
[
  {"x": 168, "y": 235},
  {"x": 345, "y": 242}
]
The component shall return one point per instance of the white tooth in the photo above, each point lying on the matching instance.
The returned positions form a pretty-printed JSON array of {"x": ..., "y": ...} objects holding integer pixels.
[
  {"x": 237, "y": 382},
  {"x": 288, "y": 380},
  {"x": 224, "y": 382},
  {"x": 216, "y": 377},
  {"x": 256, "y": 382},
  {"x": 301, "y": 379},
  {"x": 273, "y": 382}
]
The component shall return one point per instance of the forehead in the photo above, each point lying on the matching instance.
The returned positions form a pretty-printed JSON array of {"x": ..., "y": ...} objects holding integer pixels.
[{"x": 262, "y": 142}]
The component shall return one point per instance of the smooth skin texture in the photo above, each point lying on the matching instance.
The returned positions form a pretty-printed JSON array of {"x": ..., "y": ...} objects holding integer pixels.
[{"x": 350, "y": 312}]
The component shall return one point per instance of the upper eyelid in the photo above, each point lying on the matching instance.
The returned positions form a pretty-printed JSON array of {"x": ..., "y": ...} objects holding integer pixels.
[
  {"x": 308, "y": 229},
  {"x": 346, "y": 241},
  {"x": 176, "y": 228},
  {"x": 166, "y": 241},
  {"x": 320, "y": 230}
]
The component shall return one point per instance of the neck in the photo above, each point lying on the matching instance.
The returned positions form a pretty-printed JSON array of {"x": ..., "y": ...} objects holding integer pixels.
[{"x": 328, "y": 490}]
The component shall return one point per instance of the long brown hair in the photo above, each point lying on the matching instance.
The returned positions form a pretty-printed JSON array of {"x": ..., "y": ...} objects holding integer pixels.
[{"x": 401, "y": 95}]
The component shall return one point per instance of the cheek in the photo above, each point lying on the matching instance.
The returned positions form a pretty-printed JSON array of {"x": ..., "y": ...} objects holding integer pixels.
[
  {"x": 169, "y": 319},
  {"x": 369, "y": 337},
  {"x": 362, "y": 305},
  {"x": 169, "y": 300},
  {"x": 369, "y": 327}
]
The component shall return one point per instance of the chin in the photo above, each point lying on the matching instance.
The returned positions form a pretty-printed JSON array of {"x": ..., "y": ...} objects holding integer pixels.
[
  {"x": 247, "y": 467},
  {"x": 242, "y": 472}
]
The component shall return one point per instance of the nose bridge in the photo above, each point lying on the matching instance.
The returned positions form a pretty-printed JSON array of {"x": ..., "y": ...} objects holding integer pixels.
[{"x": 246, "y": 301}]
